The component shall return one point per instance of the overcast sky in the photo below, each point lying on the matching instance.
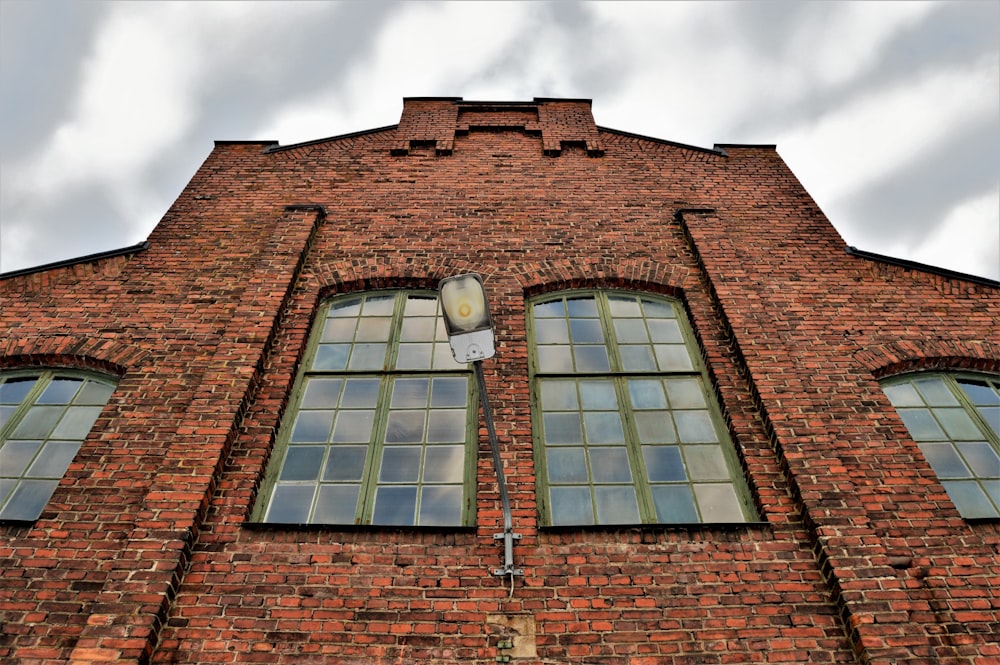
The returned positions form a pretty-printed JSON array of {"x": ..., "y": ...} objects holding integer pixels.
[{"x": 888, "y": 113}]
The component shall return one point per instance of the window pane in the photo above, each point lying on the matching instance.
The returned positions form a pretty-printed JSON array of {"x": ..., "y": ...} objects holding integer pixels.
[
  {"x": 571, "y": 505},
  {"x": 353, "y": 427},
  {"x": 695, "y": 427},
  {"x": 28, "y": 499},
  {"x": 313, "y": 426},
  {"x": 598, "y": 395},
  {"x": 59, "y": 391},
  {"x": 378, "y": 306},
  {"x": 445, "y": 426},
  {"x": 441, "y": 506},
  {"x": 674, "y": 504},
  {"x": 400, "y": 464},
  {"x": 663, "y": 463},
  {"x": 321, "y": 393},
  {"x": 586, "y": 331},
  {"x": 616, "y": 505},
  {"x": 992, "y": 417},
  {"x": 550, "y": 309},
  {"x": 673, "y": 357},
  {"x": 903, "y": 394},
  {"x": 395, "y": 506},
  {"x": 409, "y": 393},
  {"x": 555, "y": 359},
  {"x": 957, "y": 424},
  {"x": 449, "y": 392},
  {"x": 685, "y": 394},
  {"x": 562, "y": 428},
  {"x": 94, "y": 393},
  {"x": 654, "y": 427},
  {"x": 718, "y": 503},
  {"x": 13, "y": 391},
  {"x": 291, "y": 504},
  {"x": 339, "y": 330},
  {"x": 970, "y": 499},
  {"x": 302, "y": 463},
  {"x": 655, "y": 309},
  {"x": 414, "y": 356},
  {"x": 706, "y": 463},
  {"x": 945, "y": 460},
  {"x": 591, "y": 358},
  {"x": 980, "y": 394},
  {"x": 360, "y": 393},
  {"x": 610, "y": 465},
  {"x": 444, "y": 464},
  {"x": 331, "y": 356},
  {"x": 921, "y": 425},
  {"x": 38, "y": 422},
  {"x": 647, "y": 394},
  {"x": 558, "y": 395},
  {"x": 76, "y": 422},
  {"x": 345, "y": 463},
  {"x": 603, "y": 427},
  {"x": 665, "y": 331},
  {"x": 981, "y": 458},
  {"x": 935, "y": 392},
  {"x": 405, "y": 427},
  {"x": 54, "y": 459},
  {"x": 417, "y": 330},
  {"x": 624, "y": 306},
  {"x": 15, "y": 456},
  {"x": 421, "y": 306},
  {"x": 582, "y": 307},
  {"x": 566, "y": 465},
  {"x": 346, "y": 308},
  {"x": 637, "y": 358},
  {"x": 551, "y": 331},
  {"x": 630, "y": 331},
  {"x": 367, "y": 357},
  {"x": 336, "y": 504}
]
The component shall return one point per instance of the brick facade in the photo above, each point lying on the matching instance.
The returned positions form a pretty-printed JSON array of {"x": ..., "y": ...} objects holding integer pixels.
[{"x": 147, "y": 554}]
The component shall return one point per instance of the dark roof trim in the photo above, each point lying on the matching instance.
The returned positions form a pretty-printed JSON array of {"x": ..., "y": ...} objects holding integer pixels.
[
  {"x": 266, "y": 143},
  {"x": 277, "y": 148},
  {"x": 750, "y": 146},
  {"x": 110, "y": 254},
  {"x": 711, "y": 151},
  {"x": 922, "y": 267}
]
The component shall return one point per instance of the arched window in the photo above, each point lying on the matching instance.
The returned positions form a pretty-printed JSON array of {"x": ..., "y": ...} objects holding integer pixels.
[
  {"x": 44, "y": 419},
  {"x": 626, "y": 429},
  {"x": 381, "y": 427},
  {"x": 955, "y": 419}
]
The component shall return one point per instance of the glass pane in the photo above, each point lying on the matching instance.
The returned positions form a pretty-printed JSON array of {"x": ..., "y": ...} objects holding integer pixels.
[
  {"x": 647, "y": 394},
  {"x": 616, "y": 505},
  {"x": 6, "y": 486},
  {"x": 935, "y": 392},
  {"x": 38, "y": 422},
  {"x": 655, "y": 309},
  {"x": 673, "y": 357},
  {"x": 663, "y": 463},
  {"x": 360, "y": 393},
  {"x": 405, "y": 427},
  {"x": 582, "y": 307},
  {"x": 400, "y": 464},
  {"x": 29, "y": 499},
  {"x": 654, "y": 427},
  {"x": 706, "y": 463},
  {"x": 331, "y": 356},
  {"x": 312, "y": 426},
  {"x": 338, "y": 330},
  {"x": 631, "y": 331},
  {"x": 562, "y": 428},
  {"x": 981, "y": 458},
  {"x": 290, "y": 504},
  {"x": 945, "y": 460},
  {"x": 591, "y": 359},
  {"x": 410, "y": 393},
  {"x": 979, "y": 393},
  {"x": 449, "y": 392},
  {"x": 551, "y": 331},
  {"x": 5, "y": 413},
  {"x": 336, "y": 504},
  {"x": 302, "y": 463},
  {"x": 558, "y": 395},
  {"x": 571, "y": 505},
  {"x": 417, "y": 330},
  {"x": 674, "y": 504},
  {"x": 718, "y": 503},
  {"x": 445, "y": 426},
  {"x": 77, "y": 422},
  {"x": 414, "y": 356},
  {"x": 353, "y": 427},
  {"x": 378, "y": 305},
  {"x": 957, "y": 424},
  {"x": 367, "y": 356},
  {"x": 903, "y": 394},
  {"x": 624, "y": 306},
  {"x": 346, "y": 463},
  {"x": 59, "y": 391},
  {"x": 685, "y": 394},
  {"x": 321, "y": 393},
  {"x": 54, "y": 459},
  {"x": 610, "y": 465},
  {"x": 555, "y": 359},
  {"x": 970, "y": 499},
  {"x": 991, "y": 415},
  {"x": 664, "y": 331},
  {"x": 921, "y": 425},
  {"x": 421, "y": 306},
  {"x": 637, "y": 358},
  {"x": 441, "y": 506},
  {"x": 445, "y": 359},
  {"x": 444, "y": 464},
  {"x": 16, "y": 455},
  {"x": 550, "y": 309},
  {"x": 350, "y": 307},
  {"x": 603, "y": 427},
  {"x": 695, "y": 427},
  {"x": 395, "y": 505},
  {"x": 13, "y": 391},
  {"x": 94, "y": 393},
  {"x": 566, "y": 465},
  {"x": 586, "y": 331},
  {"x": 598, "y": 395}
]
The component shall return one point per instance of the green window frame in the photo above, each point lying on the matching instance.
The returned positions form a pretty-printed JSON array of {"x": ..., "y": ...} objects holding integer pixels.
[
  {"x": 45, "y": 416},
  {"x": 626, "y": 430},
  {"x": 955, "y": 420},
  {"x": 381, "y": 426}
]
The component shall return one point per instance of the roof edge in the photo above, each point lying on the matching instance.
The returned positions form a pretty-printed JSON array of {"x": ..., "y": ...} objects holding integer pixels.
[
  {"x": 712, "y": 151},
  {"x": 65, "y": 263},
  {"x": 922, "y": 267},
  {"x": 276, "y": 147}
]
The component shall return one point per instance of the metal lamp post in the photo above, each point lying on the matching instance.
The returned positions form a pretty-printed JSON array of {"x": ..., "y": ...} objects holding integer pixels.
[{"x": 470, "y": 334}]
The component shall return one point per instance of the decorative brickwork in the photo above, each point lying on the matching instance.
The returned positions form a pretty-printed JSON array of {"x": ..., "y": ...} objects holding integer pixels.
[{"x": 147, "y": 552}]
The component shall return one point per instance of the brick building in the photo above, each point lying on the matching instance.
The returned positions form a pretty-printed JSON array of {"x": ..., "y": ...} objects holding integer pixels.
[{"x": 726, "y": 437}]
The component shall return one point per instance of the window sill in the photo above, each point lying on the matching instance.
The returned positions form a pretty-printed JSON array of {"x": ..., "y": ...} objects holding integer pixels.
[
  {"x": 695, "y": 526},
  {"x": 357, "y": 528}
]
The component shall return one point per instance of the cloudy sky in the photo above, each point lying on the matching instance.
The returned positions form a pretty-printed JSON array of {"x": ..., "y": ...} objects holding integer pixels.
[{"x": 888, "y": 113}]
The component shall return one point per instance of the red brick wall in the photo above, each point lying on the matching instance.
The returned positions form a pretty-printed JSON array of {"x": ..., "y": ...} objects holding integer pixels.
[{"x": 145, "y": 553}]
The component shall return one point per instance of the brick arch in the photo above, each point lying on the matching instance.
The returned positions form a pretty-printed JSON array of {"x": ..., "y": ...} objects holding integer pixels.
[
  {"x": 109, "y": 356},
  {"x": 381, "y": 273},
  {"x": 900, "y": 357},
  {"x": 643, "y": 275}
]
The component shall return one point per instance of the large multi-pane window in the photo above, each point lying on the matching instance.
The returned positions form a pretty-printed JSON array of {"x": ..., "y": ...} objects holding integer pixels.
[
  {"x": 380, "y": 429},
  {"x": 626, "y": 428},
  {"x": 44, "y": 419},
  {"x": 955, "y": 419}
]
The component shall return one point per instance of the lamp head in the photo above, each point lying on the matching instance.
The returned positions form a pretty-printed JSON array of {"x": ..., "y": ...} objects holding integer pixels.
[{"x": 467, "y": 317}]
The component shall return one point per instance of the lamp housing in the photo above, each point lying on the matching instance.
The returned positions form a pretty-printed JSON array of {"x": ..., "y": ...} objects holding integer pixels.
[{"x": 467, "y": 318}]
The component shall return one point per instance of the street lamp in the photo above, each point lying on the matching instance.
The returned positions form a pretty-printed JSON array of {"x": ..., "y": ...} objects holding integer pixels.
[{"x": 469, "y": 326}]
